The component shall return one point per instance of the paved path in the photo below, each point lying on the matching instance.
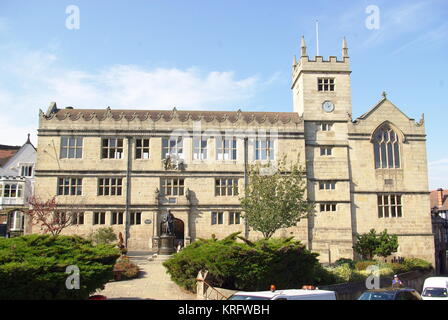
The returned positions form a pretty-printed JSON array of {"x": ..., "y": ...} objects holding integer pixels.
[{"x": 153, "y": 283}]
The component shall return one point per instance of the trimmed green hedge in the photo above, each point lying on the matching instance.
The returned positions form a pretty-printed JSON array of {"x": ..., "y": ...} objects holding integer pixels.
[
  {"x": 247, "y": 265},
  {"x": 33, "y": 266}
]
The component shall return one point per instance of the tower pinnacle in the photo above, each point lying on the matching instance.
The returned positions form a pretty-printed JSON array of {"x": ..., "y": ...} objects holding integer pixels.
[{"x": 303, "y": 47}]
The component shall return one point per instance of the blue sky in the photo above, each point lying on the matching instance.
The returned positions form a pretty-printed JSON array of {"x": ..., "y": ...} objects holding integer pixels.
[{"x": 218, "y": 54}]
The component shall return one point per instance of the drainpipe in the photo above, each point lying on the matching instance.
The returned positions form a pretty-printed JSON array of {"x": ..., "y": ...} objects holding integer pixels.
[
  {"x": 246, "y": 183},
  {"x": 128, "y": 192}
]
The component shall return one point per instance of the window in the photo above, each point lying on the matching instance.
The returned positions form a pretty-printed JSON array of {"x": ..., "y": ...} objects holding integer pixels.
[
  {"x": 327, "y": 185},
  {"x": 109, "y": 186},
  {"x": 116, "y": 218},
  {"x": 12, "y": 191},
  {"x": 142, "y": 148},
  {"x": 69, "y": 187},
  {"x": 71, "y": 148},
  {"x": 26, "y": 170},
  {"x": 78, "y": 218},
  {"x": 325, "y": 84},
  {"x": 136, "y": 218},
  {"x": 172, "y": 147},
  {"x": 327, "y": 207},
  {"x": 172, "y": 187},
  {"x": 264, "y": 149},
  {"x": 199, "y": 149},
  {"x": 61, "y": 218},
  {"x": 226, "y": 148},
  {"x": 386, "y": 148},
  {"x": 226, "y": 187},
  {"x": 234, "y": 218},
  {"x": 17, "y": 221},
  {"x": 325, "y": 126},
  {"x": 99, "y": 218},
  {"x": 389, "y": 206},
  {"x": 112, "y": 148},
  {"x": 217, "y": 218},
  {"x": 326, "y": 151}
]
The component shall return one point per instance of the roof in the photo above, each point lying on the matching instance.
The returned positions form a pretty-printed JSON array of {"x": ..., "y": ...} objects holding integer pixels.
[
  {"x": 434, "y": 199},
  {"x": 6, "y": 153},
  {"x": 168, "y": 115}
]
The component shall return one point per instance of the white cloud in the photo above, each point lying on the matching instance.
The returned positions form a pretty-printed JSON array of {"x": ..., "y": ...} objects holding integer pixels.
[{"x": 31, "y": 80}]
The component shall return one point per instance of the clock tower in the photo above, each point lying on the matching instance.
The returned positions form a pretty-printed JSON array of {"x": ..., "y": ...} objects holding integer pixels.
[
  {"x": 321, "y": 88},
  {"x": 322, "y": 97}
]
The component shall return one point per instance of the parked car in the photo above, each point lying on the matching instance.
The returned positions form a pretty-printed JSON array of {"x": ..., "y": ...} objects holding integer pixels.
[
  {"x": 291, "y": 294},
  {"x": 435, "y": 288},
  {"x": 391, "y": 294}
]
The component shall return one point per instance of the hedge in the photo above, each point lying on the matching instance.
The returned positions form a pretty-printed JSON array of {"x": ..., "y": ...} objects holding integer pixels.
[
  {"x": 33, "y": 267},
  {"x": 247, "y": 265}
]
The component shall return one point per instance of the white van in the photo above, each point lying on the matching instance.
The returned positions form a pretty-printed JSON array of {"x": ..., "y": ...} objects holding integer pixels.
[
  {"x": 291, "y": 294},
  {"x": 435, "y": 288}
]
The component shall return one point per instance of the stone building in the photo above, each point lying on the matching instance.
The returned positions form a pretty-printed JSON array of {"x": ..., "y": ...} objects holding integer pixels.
[
  {"x": 16, "y": 185},
  {"x": 439, "y": 210},
  {"x": 125, "y": 168}
]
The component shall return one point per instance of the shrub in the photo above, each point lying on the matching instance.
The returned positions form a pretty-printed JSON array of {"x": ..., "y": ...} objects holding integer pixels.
[
  {"x": 342, "y": 261},
  {"x": 362, "y": 265},
  {"x": 247, "y": 265},
  {"x": 344, "y": 273},
  {"x": 129, "y": 270},
  {"x": 33, "y": 267},
  {"x": 103, "y": 236},
  {"x": 417, "y": 264}
]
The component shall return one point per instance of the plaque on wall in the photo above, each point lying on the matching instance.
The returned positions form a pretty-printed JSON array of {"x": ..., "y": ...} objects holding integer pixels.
[{"x": 148, "y": 221}]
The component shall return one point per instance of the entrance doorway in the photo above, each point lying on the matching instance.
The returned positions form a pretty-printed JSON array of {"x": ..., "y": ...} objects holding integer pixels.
[{"x": 179, "y": 232}]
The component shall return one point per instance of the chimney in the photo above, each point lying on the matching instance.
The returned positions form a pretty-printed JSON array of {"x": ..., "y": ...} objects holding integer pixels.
[{"x": 440, "y": 197}]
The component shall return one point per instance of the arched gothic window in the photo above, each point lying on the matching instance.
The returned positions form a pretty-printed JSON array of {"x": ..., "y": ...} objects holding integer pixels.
[{"x": 386, "y": 148}]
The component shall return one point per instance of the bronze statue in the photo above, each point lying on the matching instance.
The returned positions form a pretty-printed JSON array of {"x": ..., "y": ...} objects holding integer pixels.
[{"x": 168, "y": 223}]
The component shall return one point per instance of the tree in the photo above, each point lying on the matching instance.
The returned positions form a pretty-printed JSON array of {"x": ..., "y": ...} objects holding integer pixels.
[
  {"x": 275, "y": 197},
  {"x": 370, "y": 244},
  {"x": 103, "y": 236},
  {"x": 48, "y": 216}
]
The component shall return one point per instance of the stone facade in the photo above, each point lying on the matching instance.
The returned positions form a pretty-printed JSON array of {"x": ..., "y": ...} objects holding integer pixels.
[{"x": 336, "y": 151}]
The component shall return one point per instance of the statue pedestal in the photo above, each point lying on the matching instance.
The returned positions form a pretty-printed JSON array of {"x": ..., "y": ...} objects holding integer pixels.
[{"x": 166, "y": 244}]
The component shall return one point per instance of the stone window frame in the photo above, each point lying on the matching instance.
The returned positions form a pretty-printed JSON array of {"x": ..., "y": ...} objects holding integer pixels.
[
  {"x": 77, "y": 218},
  {"x": 386, "y": 147},
  {"x": 199, "y": 149},
  {"x": 117, "y": 218},
  {"x": 69, "y": 186},
  {"x": 173, "y": 147},
  {"x": 71, "y": 147},
  {"x": 326, "y": 84},
  {"x": 234, "y": 217},
  {"x": 390, "y": 205},
  {"x": 17, "y": 220},
  {"x": 225, "y": 189},
  {"x": 327, "y": 185},
  {"x": 217, "y": 218},
  {"x": 172, "y": 187},
  {"x": 227, "y": 146},
  {"x": 99, "y": 218},
  {"x": 325, "y": 126},
  {"x": 26, "y": 169},
  {"x": 112, "y": 148},
  {"x": 326, "y": 151},
  {"x": 135, "y": 218},
  {"x": 113, "y": 186},
  {"x": 144, "y": 149},
  {"x": 264, "y": 149},
  {"x": 328, "y": 207}
]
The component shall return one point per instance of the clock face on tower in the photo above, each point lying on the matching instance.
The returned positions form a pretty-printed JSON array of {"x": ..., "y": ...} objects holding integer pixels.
[{"x": 328, "y": 106}]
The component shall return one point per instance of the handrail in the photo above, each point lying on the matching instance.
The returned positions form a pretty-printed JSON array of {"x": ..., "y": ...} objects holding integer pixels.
[{"x": 223, "y": 297}]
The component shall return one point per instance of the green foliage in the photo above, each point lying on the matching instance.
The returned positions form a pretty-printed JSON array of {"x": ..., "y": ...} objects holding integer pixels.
[
  {"x": 242, "y": 266},
  {"x": 103, "y": 236},
  {"x": 362, "y": 265},
  {"x": 417, "y": 264},
  {"x": 344, "y": 273},
  {"x": 276, "y": 200},
  {"x": 33, "y": 266},
  {"x": 342, "y": 261},
  {"x": 370, "y": 244},
  {"x": 129, "y": 270}
]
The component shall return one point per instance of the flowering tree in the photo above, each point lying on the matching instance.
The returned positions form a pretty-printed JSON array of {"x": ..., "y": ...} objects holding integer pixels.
[{"x": 47, "y": 215}]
